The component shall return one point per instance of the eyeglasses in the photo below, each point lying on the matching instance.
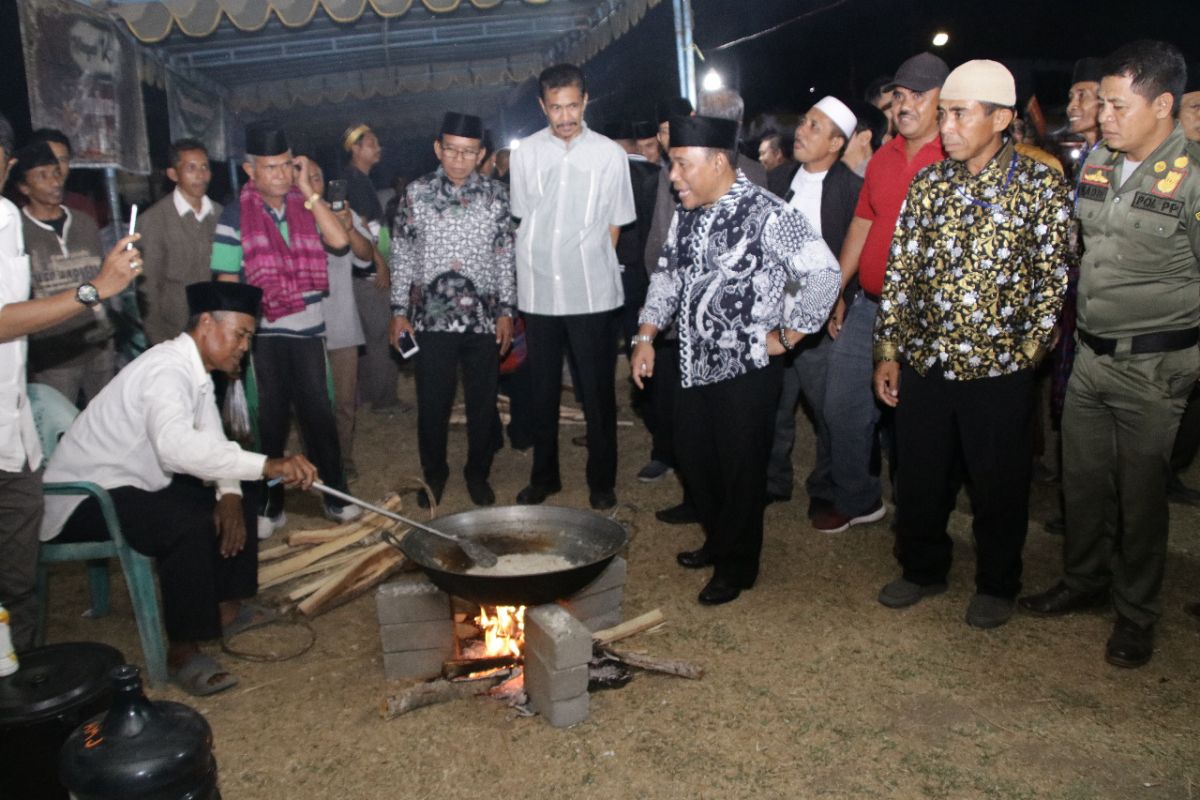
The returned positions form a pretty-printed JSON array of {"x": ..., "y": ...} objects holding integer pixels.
[{"x": 457, "y": 152}]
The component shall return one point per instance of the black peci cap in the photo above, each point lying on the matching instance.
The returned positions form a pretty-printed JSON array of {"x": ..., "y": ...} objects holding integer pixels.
[
  {"x": 721, "y": 134},
  {"x": 675, "y": 107},
  {"x": 266, "y": 140},
  {"x": 644, "y": 129},
  {"x": 467, "y": 126},
  {"x": 223, "y": 296},
  {"x": 1087, "y": 70}
]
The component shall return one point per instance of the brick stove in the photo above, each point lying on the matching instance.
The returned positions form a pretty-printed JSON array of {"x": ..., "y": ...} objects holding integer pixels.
[{"x": 417, "y": 631}]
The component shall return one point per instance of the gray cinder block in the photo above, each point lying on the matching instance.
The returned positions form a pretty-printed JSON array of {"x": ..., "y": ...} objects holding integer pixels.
[
  {"x": 595, "y": 605},
  {"x": 434, "y": 634},
  {"x": 565, "y": 713},
  {"x": 558, "y": 638},
  {"x": 415, "y": 664},
  {"x": 546, "y": 686},
  {"x": 411, "y": 598},
  {"x": 614, "y": 575}
]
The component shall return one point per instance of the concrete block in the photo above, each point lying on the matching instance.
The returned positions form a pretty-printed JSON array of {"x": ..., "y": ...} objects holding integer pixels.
[
  {"x": 613, "y": 575},
  {"x": 558, "y": 638},
  {"x": 595, "y": 605},
  {"x": 415, "y": 664},
  {"x": 565, "y": 713},
  {"x": 411, "y": 598},
  {"x": 545, "y": 685},
  {"x": 438, "y": 633},
  {"x": 606, "y": 620}
]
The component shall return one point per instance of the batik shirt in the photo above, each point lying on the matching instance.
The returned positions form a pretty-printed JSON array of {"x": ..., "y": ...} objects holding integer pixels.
[
  {"x": 734, "y": 271},
  {"x": 453, "y": 265},
  {"x": 978, "y": 268}
]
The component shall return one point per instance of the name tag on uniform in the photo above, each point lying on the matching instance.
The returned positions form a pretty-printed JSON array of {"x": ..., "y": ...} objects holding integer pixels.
[
  {"x": 1145, "y": 201},
  {"x": 1090, "y": 191}
]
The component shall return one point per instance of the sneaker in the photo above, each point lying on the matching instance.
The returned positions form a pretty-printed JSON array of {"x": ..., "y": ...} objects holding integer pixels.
[
  {"x": 344, "y": 513},
  {"x": 830, "y": 521},
  {"x": 654, "y": 471},
  {"x": 988, "y": 611},
  {"x": 268, "y": 525},
  {"x": 902, "y": 593}
]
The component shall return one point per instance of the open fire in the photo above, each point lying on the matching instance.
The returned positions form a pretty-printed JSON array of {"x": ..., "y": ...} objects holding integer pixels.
[{"x": 503, "y": 631}]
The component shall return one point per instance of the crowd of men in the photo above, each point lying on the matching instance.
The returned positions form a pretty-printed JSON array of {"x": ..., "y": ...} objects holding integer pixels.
[{"x": 910, "y": 272}]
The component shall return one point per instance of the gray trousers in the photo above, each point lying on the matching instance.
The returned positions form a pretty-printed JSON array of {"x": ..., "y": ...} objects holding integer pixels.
[
  {"x": 804, "y": 374},
  {"x": 21, "y": 507},
  {"x": 87, "y": 375},
  {"x": 1119, "y": 423},
  {"x": 378, "y": 369},
  {"x": 851, "y": 412}
]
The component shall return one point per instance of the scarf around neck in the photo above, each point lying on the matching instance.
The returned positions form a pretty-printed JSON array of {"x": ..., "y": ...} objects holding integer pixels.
[{"x": 283, "y": 271}]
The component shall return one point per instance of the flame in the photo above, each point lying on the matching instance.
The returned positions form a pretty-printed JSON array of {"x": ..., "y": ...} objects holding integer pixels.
[{"x": 503, "y": 630}]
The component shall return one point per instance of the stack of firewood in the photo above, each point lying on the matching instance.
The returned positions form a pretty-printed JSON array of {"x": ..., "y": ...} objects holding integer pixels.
[{"x": 317, "y": 570}]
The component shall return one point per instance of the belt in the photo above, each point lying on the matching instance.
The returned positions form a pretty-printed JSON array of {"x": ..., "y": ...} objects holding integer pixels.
[
  {"x": 362, "y": 272},
  {"x": 874, "y": 298},
  {"x": 1165, "y": 342}
]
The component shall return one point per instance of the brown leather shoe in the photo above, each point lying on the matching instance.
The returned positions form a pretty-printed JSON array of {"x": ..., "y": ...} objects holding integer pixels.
[
  {"x": 1130, "y": 645},
  {"x": 1060, "y": 599}
]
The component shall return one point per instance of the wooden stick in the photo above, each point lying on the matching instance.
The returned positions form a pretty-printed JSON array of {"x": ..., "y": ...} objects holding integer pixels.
[
  {"x": 268, "y": 574},
  {"x": 278, "y": 551},
  {"x": 371, "y": 566},
  {"x": 322, "y": 535},
  {"x": 665, "y": 665},
  {"x": 629, "y": 627},
  {"x": 305, "y": 589},
  {"x": 434, "y": 692},
  {"x": 320, "y": 566}
]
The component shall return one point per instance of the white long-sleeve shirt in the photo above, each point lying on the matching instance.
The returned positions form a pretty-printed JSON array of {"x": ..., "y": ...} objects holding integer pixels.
[
  {"x": 156, "y": 419},
  {"x": 19, "y": 444}
]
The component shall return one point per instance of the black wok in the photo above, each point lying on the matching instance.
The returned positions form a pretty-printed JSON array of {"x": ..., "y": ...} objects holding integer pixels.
[{"x": 587, "y": 540}]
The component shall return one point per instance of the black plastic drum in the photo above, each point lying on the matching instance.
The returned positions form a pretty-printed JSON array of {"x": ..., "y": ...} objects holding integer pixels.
[{"x": 56, "y": 689}]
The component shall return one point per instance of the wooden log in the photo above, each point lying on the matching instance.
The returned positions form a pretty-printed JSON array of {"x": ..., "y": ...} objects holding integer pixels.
[
  {"x": 278, "y": 551},
  {"x": 434, "y": 692},
  {"x": 629, "y": 627},
  {"x": 369, "y": 519},
  {"x": 305, "y": 589},
  {"x": 461, "y": 667},
  {"x": 267, "y": 575},
  {"x": 665, "y": 665},
  {"x": 320, "y": 566},
  {"x": 371, "y": 566}
]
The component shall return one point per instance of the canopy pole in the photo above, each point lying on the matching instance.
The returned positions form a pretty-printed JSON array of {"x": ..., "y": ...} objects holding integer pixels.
[
  {"x": 114, "y": 201},
  {"x": 683, "y": 49}
]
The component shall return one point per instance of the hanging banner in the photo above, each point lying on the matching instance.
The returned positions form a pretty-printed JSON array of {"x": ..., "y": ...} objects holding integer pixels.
[
  {"x": 196, "y": 113},
  {"x": 83, "y": 80}
]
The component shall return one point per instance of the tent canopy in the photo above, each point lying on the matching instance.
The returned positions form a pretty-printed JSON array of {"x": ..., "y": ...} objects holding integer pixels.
[{"x": 325, "y": 61}]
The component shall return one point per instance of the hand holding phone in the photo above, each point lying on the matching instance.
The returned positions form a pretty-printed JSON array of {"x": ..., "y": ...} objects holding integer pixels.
[
  {"x": 407, "y": 344},
  {"x": 132, "y": 224},
  {"x": 335, "y": 193}
]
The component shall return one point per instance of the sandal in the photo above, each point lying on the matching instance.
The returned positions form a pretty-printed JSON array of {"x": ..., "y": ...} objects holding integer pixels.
[
  {"x": 249, "y": 617},
  {"x": 194, "y": 677}
]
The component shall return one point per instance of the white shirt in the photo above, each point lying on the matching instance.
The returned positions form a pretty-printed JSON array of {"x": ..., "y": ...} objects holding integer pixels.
[
  {"x": 566, "y": 195},
  {"x": 19, "y": 443},
  {"x": 184, "y": 207},
  {"x": 806, "y": 195},
  {"x": 158, "y": 417}
]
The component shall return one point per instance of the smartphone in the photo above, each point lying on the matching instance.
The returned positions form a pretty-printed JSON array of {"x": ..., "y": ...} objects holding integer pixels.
[
  {"x": 132, "y": 224},
  {"x": 335, "y": 193},
  {"x": 408, "y": 345}
]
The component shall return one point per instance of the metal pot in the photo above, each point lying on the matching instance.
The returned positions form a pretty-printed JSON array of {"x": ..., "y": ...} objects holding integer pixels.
[{"x": 589, "y": 541}]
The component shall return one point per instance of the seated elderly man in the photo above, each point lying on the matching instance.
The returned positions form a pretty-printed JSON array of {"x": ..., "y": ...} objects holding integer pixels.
[{"x": 153, "y": 438}]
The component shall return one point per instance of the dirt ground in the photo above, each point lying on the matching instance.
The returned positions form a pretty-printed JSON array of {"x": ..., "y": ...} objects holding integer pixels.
[{"x": 812, "y": 689}]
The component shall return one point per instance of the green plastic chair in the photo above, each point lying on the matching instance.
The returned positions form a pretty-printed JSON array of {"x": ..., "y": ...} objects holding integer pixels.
[{"x": 53, "y": 414}]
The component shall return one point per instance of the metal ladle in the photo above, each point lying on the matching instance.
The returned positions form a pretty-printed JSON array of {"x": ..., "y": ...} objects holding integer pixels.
[{"x": 473, "y": 550}]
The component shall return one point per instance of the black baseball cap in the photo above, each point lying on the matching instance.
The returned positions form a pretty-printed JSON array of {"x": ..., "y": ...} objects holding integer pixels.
[{"x": 920, "y": 73}]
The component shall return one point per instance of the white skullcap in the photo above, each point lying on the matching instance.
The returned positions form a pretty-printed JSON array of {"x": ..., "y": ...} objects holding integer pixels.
[
  {"x": 840, "y": 113},
  {"x": 981, "y": 80}
]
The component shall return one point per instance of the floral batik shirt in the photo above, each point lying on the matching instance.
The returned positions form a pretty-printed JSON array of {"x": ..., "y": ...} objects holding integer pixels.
[
  {"x": 734, "y": 271},
  {"x": 453, "y": 265},
  {"x": 978, "y": 268}
]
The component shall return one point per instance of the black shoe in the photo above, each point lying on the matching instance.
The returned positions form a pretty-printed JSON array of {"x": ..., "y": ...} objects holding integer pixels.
[
  {"x": 481, "y": 493},
  {"x": 533, "y": 495},
  {"x": 718, "y": 591},
  {"x": 694, "y": 559},
  {"x": 682, "y": 514},
  {"x": 602, "y": 499},
  {"x": 423, "y": 498},
  {"x": 1193, "y": 610},
  {"x": 1129, "y": 646},
  {"x": 1060, "y": 599}
]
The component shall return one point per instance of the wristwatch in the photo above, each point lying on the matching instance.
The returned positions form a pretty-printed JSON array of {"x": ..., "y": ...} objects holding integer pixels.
[
  {"x": 641, "y": 338},
  {"x": 87, "y": 294}
]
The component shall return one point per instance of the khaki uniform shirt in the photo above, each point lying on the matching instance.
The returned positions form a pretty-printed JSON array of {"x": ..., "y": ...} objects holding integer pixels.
[{"x": 1140, "y": 271}]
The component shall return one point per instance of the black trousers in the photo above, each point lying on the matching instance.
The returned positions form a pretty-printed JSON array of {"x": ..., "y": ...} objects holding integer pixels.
[
  {"x": 723, "y": 435},
  {"x": 987, "y": 421},
  {"x": 175, "y": 527},
  {"x": 592, "y": 343},
  {"x": 659, "y": 412},
  {"x": 436, "y": 372},
  {"x": 290, "y": 372}
]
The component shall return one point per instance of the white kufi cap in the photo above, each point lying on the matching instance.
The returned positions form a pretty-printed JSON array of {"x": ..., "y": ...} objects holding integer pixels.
[{"x": 840, "y": 113}]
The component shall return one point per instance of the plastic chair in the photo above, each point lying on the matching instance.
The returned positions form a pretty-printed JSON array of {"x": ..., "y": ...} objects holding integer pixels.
[{"x": 53, "y": 414}]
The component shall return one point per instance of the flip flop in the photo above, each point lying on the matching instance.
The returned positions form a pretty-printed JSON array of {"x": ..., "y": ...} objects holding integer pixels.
[
  {"x": 194, "y": 676},
  {"x": 249, "y": 617}
]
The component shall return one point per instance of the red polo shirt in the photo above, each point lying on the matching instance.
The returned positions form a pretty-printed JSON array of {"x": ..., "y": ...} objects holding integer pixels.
[{"x": 889, "y": 173}]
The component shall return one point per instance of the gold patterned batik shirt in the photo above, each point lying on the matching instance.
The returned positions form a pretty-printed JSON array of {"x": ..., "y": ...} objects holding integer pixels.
[{"x": 978, "y": 268}]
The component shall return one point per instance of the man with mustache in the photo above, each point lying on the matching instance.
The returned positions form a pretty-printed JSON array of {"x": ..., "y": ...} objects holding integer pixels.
[
  {"x": 851, "y": 410},
  {"x": 571, "y": 192},
  {"x": 1138, "y": 327}
]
